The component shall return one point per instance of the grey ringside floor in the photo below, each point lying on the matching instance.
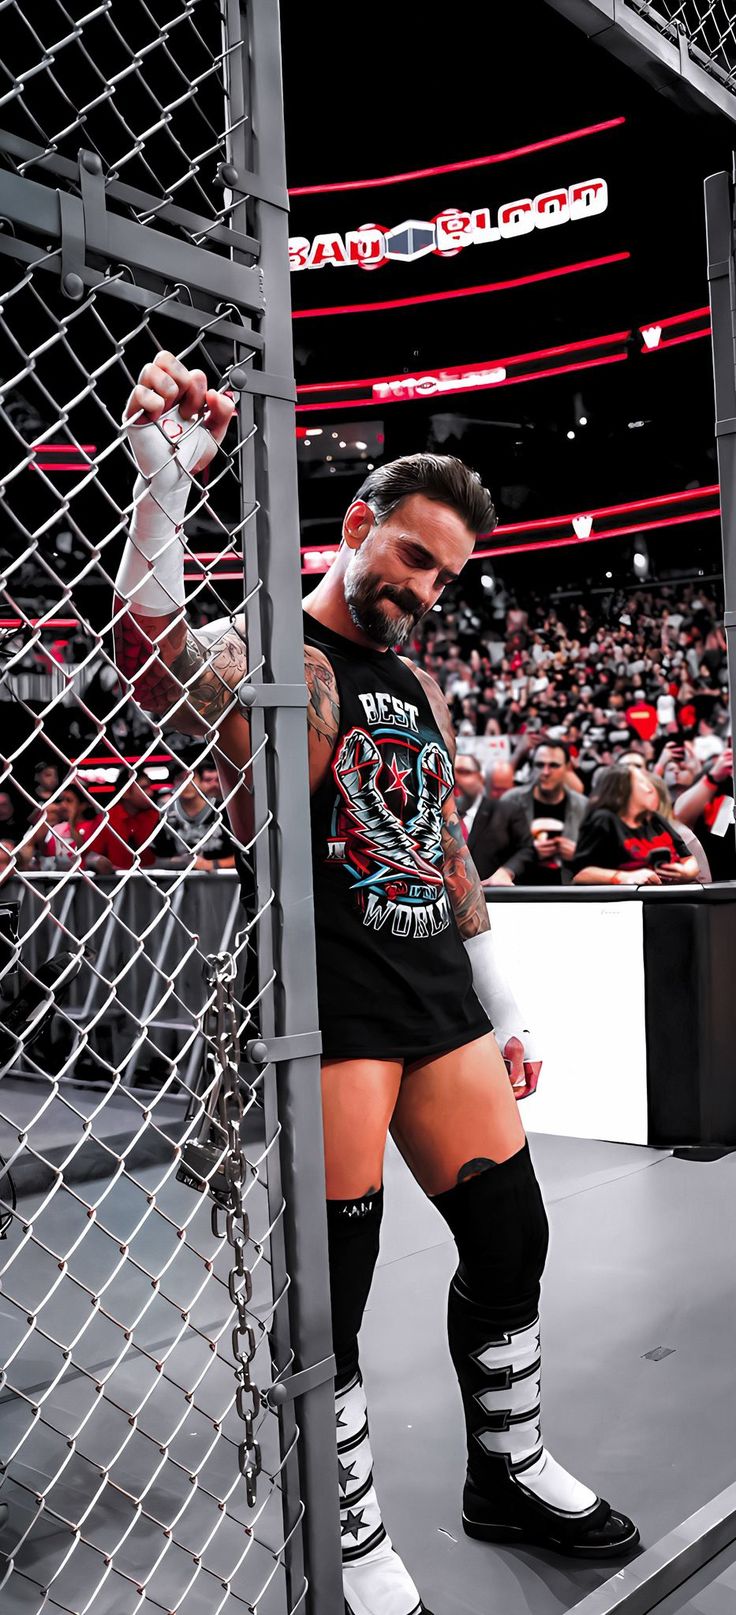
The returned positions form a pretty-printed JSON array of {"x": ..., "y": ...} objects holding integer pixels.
[{"x": 641, "y": 1258}]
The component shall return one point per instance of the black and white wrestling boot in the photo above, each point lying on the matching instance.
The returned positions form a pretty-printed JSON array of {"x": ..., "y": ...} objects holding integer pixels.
[
  {"x": 374, "y": 1579},
  {"x": 516, "y": 1492}
]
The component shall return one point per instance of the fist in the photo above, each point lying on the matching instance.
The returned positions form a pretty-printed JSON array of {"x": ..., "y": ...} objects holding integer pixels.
[{"x": 183, "y": 406}]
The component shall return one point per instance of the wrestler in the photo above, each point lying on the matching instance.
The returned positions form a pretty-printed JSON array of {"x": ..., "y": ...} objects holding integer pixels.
[{"x": 411, "y": 991}]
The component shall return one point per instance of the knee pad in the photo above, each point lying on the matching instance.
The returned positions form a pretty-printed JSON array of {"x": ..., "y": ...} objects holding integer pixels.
[
  {"x": 353, "y": 1234},
  {"x": 501, "y": 1231}
]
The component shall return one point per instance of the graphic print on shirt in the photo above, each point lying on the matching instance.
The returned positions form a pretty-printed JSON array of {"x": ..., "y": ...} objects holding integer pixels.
[{"x": 387, "y": 821}]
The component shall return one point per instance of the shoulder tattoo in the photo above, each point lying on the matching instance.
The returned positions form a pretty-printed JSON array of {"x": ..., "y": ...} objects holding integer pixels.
[{"x": 323, "y": 709}]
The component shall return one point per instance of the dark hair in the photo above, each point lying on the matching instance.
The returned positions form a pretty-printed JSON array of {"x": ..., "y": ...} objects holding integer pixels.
[
  {"x": 469, "y": 758},
  {"x": 613, "y": 788},
  {"x": 441, "y": 477},
  {"x": 554, "y": 745},
  {"x": 75, "y": 789}
]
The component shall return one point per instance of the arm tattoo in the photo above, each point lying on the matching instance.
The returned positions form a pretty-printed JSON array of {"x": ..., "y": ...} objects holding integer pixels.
[
  {"x": 473, "y": 1169},
  {"x": 183, "y": 675},
  {"x": 323, "y": 711},
  {"x": 462, "y": 880}
]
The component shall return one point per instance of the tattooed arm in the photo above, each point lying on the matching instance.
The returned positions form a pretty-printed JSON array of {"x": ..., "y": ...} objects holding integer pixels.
[
  {"x": 186, "y": 677},
  {"x": 461, "y": 877},
  {"x": 323, "y": 713},
  {"x": 462, "y": 881}
]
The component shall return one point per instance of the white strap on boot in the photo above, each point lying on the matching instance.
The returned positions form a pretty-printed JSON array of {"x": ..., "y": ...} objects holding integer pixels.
[
  {"x": 518, "y": 1357},
  {"x": 375, "y": 1580}
]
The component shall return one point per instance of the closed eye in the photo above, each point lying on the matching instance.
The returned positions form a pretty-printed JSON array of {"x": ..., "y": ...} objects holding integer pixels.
[{"x": 420, "y": 558}]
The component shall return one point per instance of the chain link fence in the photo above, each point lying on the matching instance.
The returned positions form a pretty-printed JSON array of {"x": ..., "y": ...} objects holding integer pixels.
[
  {"x": 707, "y": 32},
  {"x": 166, "y": 1416}
]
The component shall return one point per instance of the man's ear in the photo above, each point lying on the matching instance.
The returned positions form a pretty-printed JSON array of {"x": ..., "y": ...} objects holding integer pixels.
[{"x": 358, "y": 523}]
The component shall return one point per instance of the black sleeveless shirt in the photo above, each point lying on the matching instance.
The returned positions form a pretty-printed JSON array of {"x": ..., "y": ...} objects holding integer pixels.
[{"x": 393, "y": 976}]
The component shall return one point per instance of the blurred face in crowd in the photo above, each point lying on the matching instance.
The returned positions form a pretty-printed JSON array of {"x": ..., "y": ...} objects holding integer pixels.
[
  {"x": 632, "y": 759},
  {"x": 137, "y": 795},
  {"x": 468, "y": 780},
  {"x": 47, "y": 778},
  {"x": 209, "y": 782},
  {"x": 399, "y": 567},
  {"x": 6, "y": 807},
  {"x": 550, "y": 767},
  {"x": 644, "y": 797},
  {"x": 500, "y": 780},
  {"x": 70, "y": 806}
]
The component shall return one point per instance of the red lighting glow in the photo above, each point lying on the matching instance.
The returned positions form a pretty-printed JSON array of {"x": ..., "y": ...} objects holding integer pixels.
[
  {"x": 460, "y": 167},
  {"x": 464, "y": 291},
  {"x": 399, "y": 389},
  {"x": 317, "y": 558}
]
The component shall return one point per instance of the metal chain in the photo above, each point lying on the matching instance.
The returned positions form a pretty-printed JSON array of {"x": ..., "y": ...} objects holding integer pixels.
[{"x": 221, "y": 972}]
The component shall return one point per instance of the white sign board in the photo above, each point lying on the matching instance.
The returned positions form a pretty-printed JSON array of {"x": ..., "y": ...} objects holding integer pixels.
[{"x": 577, "y": 970}]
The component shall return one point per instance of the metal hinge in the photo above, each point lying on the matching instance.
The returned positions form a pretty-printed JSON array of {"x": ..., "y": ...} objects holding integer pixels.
[
  {"x": 286, "y": 1390},
  {"x": 299, "y": 1046},
  {"x": 272, "y": 695}
]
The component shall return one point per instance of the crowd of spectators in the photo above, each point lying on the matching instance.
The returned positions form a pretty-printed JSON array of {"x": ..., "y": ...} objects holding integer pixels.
[
  {"x": 609, "y": 735},
  {"x": 583, "y": 727}
]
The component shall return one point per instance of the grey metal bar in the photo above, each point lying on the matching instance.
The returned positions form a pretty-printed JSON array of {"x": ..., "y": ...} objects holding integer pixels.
[
  {"x": 640, "y": 1586},
  {"x": 719, "y": 205},
  {"x": 36, "y": 208},
  {"x": 302, "y": 1158},
  {"x": 667, "y": 63},
  {"x": 239, "y": 152}
]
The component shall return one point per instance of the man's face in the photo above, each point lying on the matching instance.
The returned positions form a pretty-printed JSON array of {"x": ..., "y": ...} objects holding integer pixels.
[
  {"x": 550, "y": 767},
  {"x": 468, "y": 779},
  {"x": 398, "y": 570},
  {"x": 6, "y": 806},
  {"x": 138, "y": 795},
  {"x": 209, "y": 782},
  {"x": 502, "y": 779}
]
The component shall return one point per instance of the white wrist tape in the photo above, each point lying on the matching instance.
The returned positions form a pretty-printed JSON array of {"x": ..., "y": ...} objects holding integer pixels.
[
  {"x": 495, "y": 994},
  {"x": 151, "y": 572}
]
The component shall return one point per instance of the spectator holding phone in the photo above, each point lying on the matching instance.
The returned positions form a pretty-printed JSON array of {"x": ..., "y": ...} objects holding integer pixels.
[
  {"x": 624, "y": 840},
  {"x": 707, "y": 807},
  {"x": 553, "y": 811}
]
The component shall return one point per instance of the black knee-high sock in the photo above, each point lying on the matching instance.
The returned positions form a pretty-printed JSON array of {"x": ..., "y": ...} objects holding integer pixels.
[
  {"x": 353, "y": 1235},
  {"x": 501, "y": 1231}
]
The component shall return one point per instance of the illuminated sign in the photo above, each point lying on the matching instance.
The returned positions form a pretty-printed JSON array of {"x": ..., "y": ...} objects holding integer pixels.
[{"x": 449, "y": 232}]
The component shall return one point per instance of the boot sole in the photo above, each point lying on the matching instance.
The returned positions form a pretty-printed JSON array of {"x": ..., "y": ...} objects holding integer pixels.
[{"x": 516, "y": 1534}]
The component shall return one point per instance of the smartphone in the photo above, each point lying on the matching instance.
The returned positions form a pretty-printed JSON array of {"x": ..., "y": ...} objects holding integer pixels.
[{"x": 658, "y": 856}]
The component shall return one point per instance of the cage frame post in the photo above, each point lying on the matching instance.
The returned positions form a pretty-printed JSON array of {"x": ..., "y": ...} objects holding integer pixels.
[
  {"x": 721, "y": 249},
  {"x": 294, "y": 1007}
]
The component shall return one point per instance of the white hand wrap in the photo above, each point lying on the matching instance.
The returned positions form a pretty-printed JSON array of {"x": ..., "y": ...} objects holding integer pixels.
[
  {"x": 494, "y": 992},
  {"x": 151, "y": 573}
]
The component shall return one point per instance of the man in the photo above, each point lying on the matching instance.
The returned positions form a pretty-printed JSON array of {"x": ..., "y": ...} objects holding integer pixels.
[
  {"x": 553, "y": 814},
  {"x": 499, "y": 780},
  {"x": 408, "y": 982},
  {"x": 500, "y": 843},
  {"x": 126, "y": 839},
  {"x": 195, "y": 825}
]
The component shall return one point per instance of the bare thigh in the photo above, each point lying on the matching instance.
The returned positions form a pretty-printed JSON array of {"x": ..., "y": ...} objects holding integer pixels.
[
  {"x": 358, "y": 1101},
  {"x": 456, "y": 1113}
]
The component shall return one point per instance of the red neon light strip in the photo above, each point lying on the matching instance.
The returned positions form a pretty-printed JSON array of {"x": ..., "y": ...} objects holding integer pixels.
[
  {"x": 572, "y": 538},
  {"x": 456, "y": 168},
  {"x": 514, "y": 358},
  {"x": 120, "y": 757},
  {"x": 613, "y": 532},
  {"x": 39, "y": 622},
  {"x": 611, "y": 510},
  {"x": 491, "y": 386},
  {"x": 59, "y": 465},
  {"x": 675, "y": 341},
  {"x": 64, "y": 448},
  {"x": 465, "y": 291}
]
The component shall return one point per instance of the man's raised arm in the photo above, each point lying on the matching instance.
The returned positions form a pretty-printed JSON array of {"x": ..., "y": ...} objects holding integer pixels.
[{"x": 175, "y": 426}]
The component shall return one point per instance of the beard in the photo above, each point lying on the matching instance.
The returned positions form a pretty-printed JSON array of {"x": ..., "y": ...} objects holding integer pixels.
[{"x": 363, "y": 595}]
